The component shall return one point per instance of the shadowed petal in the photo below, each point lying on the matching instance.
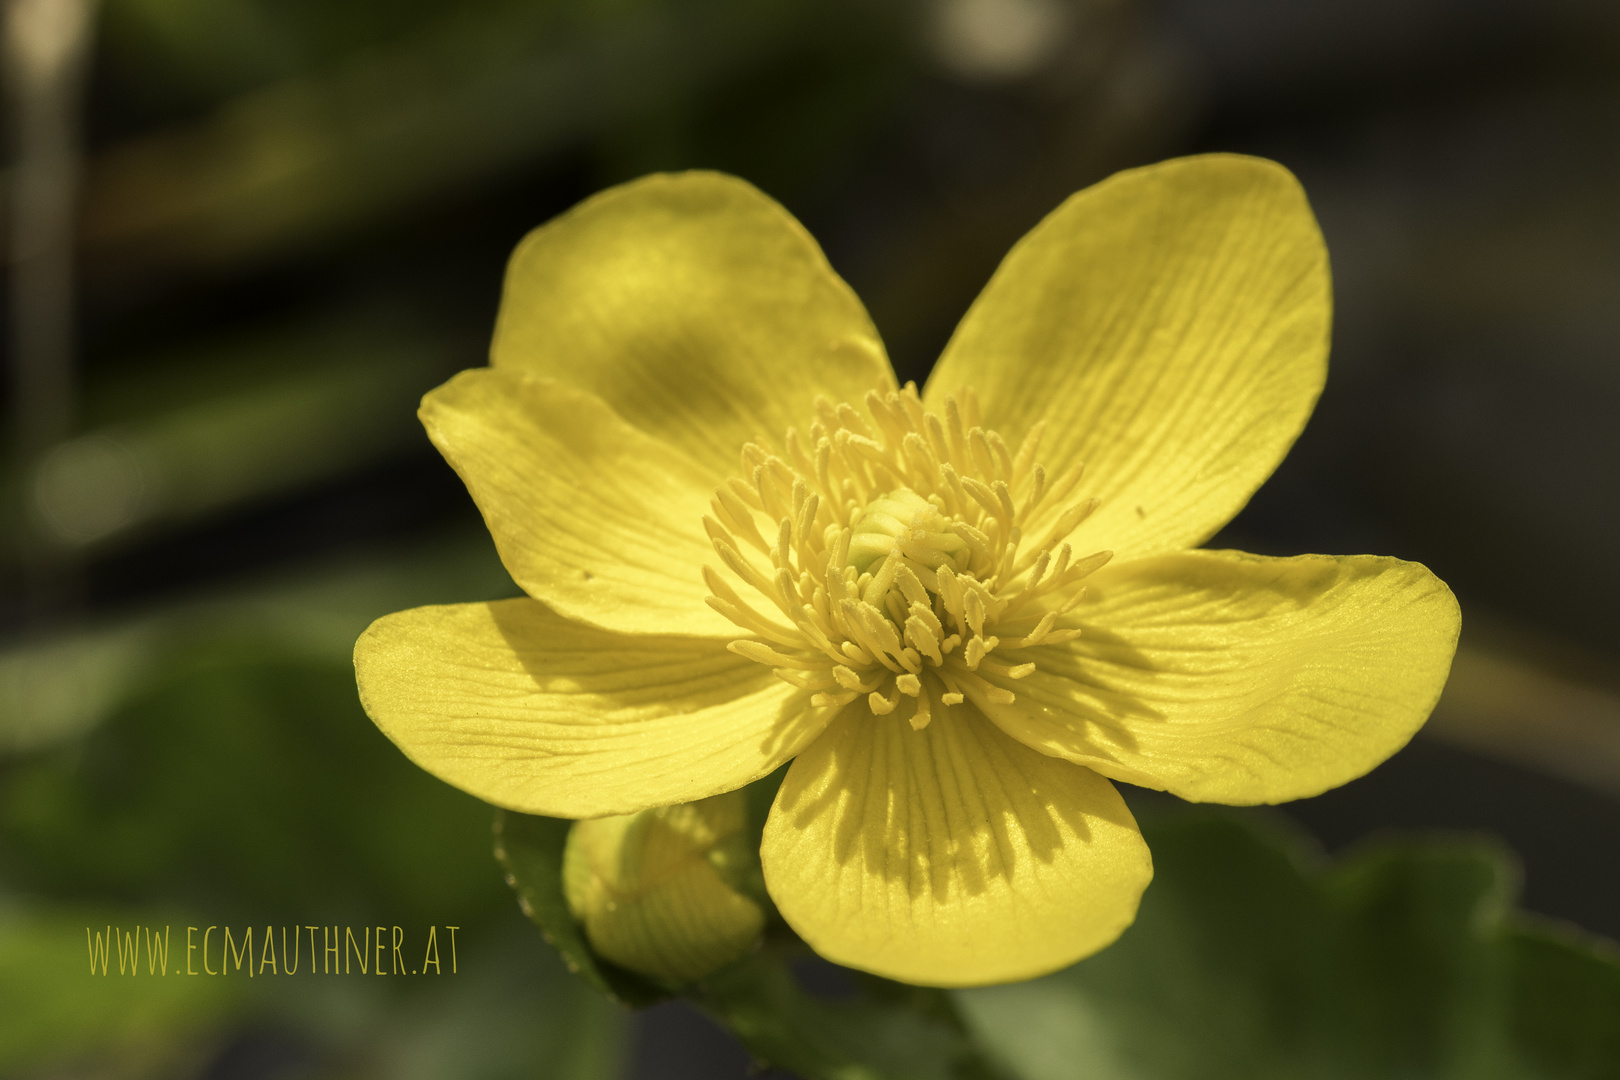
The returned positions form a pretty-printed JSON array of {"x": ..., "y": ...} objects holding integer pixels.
[
  {"x": 696, "y": 307},
  {"x": 952, "y": 856},
  {"x": 590, "y": 515}
]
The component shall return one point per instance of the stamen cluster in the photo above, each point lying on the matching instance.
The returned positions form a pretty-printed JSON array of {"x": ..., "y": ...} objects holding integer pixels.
[{"x": 897, "y": 557}]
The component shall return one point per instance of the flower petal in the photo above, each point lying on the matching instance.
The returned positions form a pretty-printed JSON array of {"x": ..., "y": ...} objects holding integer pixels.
[
  {"x": 950, "y": 856},
  {"x": 527, "y": 710},
  {"x": 590, "y": 515},
  {"x": 1171, "y": 325},
  {"x": 697, "y": 307},
  {"x": 1226, "y": 677}
]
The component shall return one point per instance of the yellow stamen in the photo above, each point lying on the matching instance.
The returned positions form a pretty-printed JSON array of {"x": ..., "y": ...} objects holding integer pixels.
[{"x": 895, "y": 550}]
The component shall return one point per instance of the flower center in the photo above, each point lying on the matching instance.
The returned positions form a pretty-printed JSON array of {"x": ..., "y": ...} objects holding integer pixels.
[
  {"x": 906, "y": 522},
  {"x": 893, "y": 555}
]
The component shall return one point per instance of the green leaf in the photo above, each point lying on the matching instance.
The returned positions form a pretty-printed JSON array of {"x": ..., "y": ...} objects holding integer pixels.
[
  {"x": 64, "y": 989},
  {"x": 1565, "y": 1002},
  {"x": 250, "y": 782},
  {"x": 240, "y": 783},
  {"x": 890, "y": 1032},
  {"x": 1249, "y": 959},
  {"x": 57, "y": 688},
  {"x": 520, "y": 1015}
]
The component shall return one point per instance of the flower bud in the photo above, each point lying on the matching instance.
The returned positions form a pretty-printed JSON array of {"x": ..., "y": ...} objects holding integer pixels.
[{"x": 656, "y": 890}]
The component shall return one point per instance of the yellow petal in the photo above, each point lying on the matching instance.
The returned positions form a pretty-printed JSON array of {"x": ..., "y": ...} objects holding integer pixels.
[
  {"x": 697, "y": 307},
  {"x": 1226, "y": 677},
  {"x": 1171, "y": 326},
  {"x": 951, "y": 856},
  {"x": 590, "y": 515},
  {"x": 527, "y": 710},
  {"x": 646, "y": 888}
]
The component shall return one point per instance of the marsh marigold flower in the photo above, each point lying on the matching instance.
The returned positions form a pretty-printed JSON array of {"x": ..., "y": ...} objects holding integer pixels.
[{"x": 959, "y": 612}]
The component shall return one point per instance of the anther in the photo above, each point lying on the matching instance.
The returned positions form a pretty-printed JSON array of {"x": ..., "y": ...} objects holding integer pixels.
[{"x": 898, "y": 543}]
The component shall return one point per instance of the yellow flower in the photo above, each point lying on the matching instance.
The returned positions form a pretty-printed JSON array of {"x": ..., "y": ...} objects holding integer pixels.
[{"x": 743, "y": 544}]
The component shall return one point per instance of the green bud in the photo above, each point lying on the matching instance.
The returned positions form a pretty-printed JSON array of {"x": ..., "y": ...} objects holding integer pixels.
[{"x": 654, "y": 890}]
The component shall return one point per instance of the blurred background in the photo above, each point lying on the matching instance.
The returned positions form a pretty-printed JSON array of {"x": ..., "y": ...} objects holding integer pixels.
[{"x": 244, "y": 236}]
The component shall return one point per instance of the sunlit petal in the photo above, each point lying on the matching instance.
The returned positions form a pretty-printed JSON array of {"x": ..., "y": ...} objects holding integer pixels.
[
  {"x": 1170, "y": 325},
  {"x": 528, "y": 710},
  {"x": 1225, "y": 677}
]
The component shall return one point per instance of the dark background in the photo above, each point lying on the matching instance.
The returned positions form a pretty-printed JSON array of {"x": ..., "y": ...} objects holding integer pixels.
[{"x": 293, "y": 218}]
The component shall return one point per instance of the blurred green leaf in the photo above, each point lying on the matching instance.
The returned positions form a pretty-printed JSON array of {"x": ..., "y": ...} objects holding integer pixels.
[
  {"x": 53, "y": 689},
  {"x": 1247, "y": 960},
  {"x": 252, "y": 781},
  {"x": 229, "y": 772},
  {"x": 1565, "y": 1003},
  {"x": 51, "y": 1002},
  {"x": 889, "y": 1033},
  {"x": 510, "y": 1012},
  {"x": 189, "y": 434},
  {"x": 228, "y": 761},
  {"x": 477, "y": 92},
  {"x": 519, "y": 1016}
]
